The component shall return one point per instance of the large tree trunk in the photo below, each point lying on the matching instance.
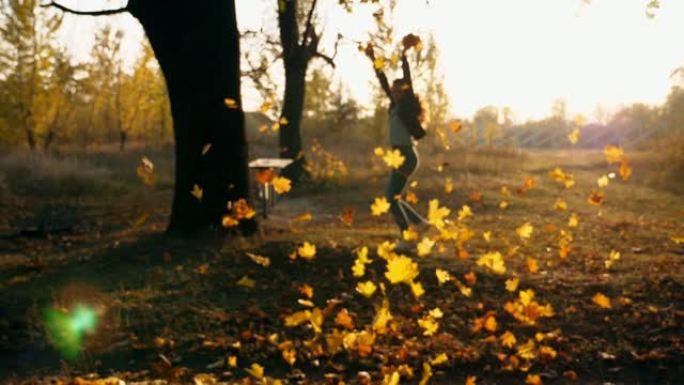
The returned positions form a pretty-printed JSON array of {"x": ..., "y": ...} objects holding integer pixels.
[
  {"x": 197, "y": 46},
  {"x": 290, "y": 138}
]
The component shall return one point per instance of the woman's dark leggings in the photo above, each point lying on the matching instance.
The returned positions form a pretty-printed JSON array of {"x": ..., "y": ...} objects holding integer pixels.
[{"x": 403, "y": 213}]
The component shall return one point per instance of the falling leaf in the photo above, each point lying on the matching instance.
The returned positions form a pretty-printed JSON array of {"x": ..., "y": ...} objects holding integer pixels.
[
  {"x": 411, "y": 197},
  {"x": 503, "y": 205},
  {"x": 574, "y": 136},
  {"x": 429, "y": 325},
  {"x": 281, "y": 185},
  {"x": 394, "y": 158},
  {"x": 625, "y": 170},
  {"x": 401, "y": 269},
  {"x": 380, "y": 206},
  {"x": 367, "y": 289},
  {"x": 471, "y": 278},
  {"x": 613, "y": 154},
  {"x": 307, "y": 291},
  {"x": 256, "y": 371},
  {"x": 470, "y": 380},
  {"x": 508, "y": 339},
  {"x": 206, "y": 149},
  {"x": 424, "y": 247},
  {"x": 525, "y": 231},
  {"x": 493, "y": 261},
  {"x": 595, "y": 198},
  {"x": 437, "y": 214},
  {"x": 448, "y": 185},
  {"x": 409, "y": 234},
  {"x": 379, "y": 151},
  {"x": 246, "y": 282},
  {"x": 573, "y": 220},
  {"x": 232, "y": 361},
  {"x": 230, "y": 103},
  {"x": 455, "y": 126},
  {"x": 464, "y": 212},
  {"x": 283, "y": 121},
  {"x": 613, "y": 257},
  {"x": 529, "y": 183},
  {"x": 601, "y": 300},
  {"x": 344, "y": 319},
  {"x": 490, "y": 324},
  {"x": 305, "y": 217},
  {"x": 307, "y": 250},
  {"x": 533, "y": 379},
  {"x": 197, "y": 192},
  {"x": 512, "y": 284},
  {"x": 602, "y": 182},
  {"x": 391, "y": 379},
  {"x": 259, "y": 260},
  {"x": 417, "y": 289},
  {"x": 532, "y": 265},
  {"x": 443, "y": 276},
  {"x": 560, "y": 205},
  {"x": 440, "y": 359},
  {"x": 347, "y": 216},
  {"x": 228, "y": 221}
]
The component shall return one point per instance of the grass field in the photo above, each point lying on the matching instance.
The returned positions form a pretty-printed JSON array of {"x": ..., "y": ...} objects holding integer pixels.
[{"x": 84, "y": 229}]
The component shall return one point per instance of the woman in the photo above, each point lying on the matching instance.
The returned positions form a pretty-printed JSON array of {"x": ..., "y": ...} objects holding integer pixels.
[{"x": 404, "y": 128}]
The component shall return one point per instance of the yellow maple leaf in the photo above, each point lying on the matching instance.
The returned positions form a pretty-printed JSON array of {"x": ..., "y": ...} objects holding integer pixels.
[
  {"x": 256, "y": 371},
  {"x": 503, "y": 205},
  {"x": 246, "y": 282},
  {"x": 283, "y": 121},
  {"x": 448, "y": 185},
  {"x": 512, "y": 284},
  {"x": 281, "y": 185},
  {"x": 391, "y": 379},
  {"x": 379, "y": 206},
  {"x": 424, "y": 247},
  {"x": 442, "y": 276},
  {"x": 379, "y": 151},
  {"x": 613, "y": 257},
  {"x": 573, "y": 220},
  {"x": 401, "y": 269},
  {"x": 533, "y": 379},
  {"x": 464, "y": 212},
  {"x": 429, "y": 325},
  {"x": 232, "y": 361},
  {"x": 490, "y": 324},
  {"x": 613, "y": 154},
  {"x": 508, "y": 339},
  {"x": 197, "y": 192},
  {"x": 440, "y": 359},
  {"x": 307, "y": 250},
  {"x": 526, "y": 296},
  {"x": 574, "y": 136},
  {"x": 393, "y": 158},
  {"x": 602, "y": 181},
  {"x": 525, "y": 231},
  {"x": 437, "y": 214},
  {"x": 601, "y": 301},
  {"x": 367, "y": 289},
  {"x": 560, "y": 205},
  {"x": 494, "y": 261},
  {"x": 409, "y": 234},
  {"x": 417, "y": 289}
]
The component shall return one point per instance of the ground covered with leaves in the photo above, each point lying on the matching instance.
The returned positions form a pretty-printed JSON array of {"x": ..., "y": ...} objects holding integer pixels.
[{"x": 539, "y": 268}]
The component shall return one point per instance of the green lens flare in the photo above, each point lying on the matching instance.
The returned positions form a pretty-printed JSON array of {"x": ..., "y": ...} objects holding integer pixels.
[{"x": 66, "y": 330}]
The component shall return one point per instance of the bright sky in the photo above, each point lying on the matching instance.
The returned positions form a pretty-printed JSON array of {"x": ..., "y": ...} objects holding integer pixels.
[{"x": 524, "y": 54}]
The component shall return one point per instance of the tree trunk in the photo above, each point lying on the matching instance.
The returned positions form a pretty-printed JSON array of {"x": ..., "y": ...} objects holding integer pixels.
[
  {"x": 290, "y": 138},
  {"x": 123, "y": 135},
  {"x": 197, "y": 46}
]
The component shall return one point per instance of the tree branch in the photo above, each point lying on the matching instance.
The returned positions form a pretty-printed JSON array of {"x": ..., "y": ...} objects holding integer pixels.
[
  {"x": 325, "y": 57},
  {"x": 104, "y": 12},
  {"x": 309, "y": 23}
]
